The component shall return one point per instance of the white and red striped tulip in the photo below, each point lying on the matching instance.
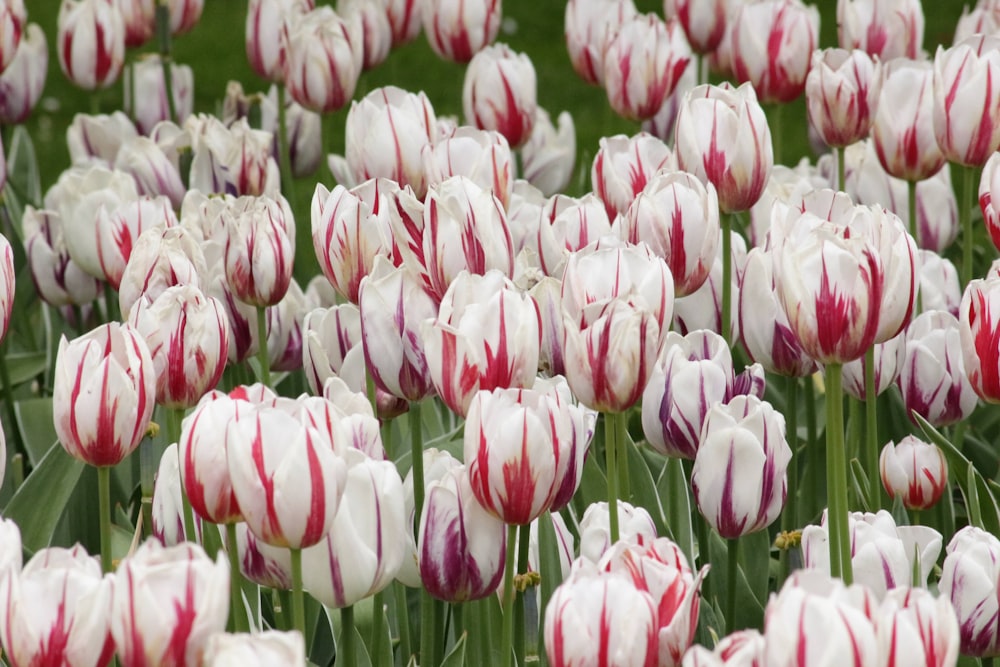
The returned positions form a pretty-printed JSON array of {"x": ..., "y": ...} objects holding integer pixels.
[
  {"x": 146, "y": 95},
  {"x": 500, "y": 93},
  {"x": 969, "y": 578},
  {"x": 548, "y": 158},
  {"x": 161, "y": 258},
  {"x": 704, "y": 23},
  {"x": 966, "y": 103},
  {"x": 260, "y": 249},
  {"x": 743, "y": 648},
  {"x": 324, "y": 58},
  {"x": 565, "y": 225},
  {"x": 267, "y": 26},
  {"x": 458, "y": 29},
  {"x": 623, "y": 165},
  {"x": 916, "y": 628},
  {"x": 484, "y": 156},
  {"x": 119, "y": 228},
  {"x": 888, "y": 29},
  {"x": 588, "y": 28},
  {"x": 842, "y": 93},
  {"x": 204, "y": 468},
  {"x": 97, "y": 138},
  {"x": 904, "y": 127},
  {"x": 91, "y": 41},
  {"x": 21, "y": 83},
  {"x": 635, "y": 525},
  {"x": 915, "y": 471},
  {"x": 979, "y": 330}
]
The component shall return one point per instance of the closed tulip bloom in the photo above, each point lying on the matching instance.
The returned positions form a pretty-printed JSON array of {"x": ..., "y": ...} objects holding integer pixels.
[
  {"x": 969, "y": 580},
  {"x": 662, "y": 123},
  {"x": 13, "y": 20},
  {"x": 98, "y": 136},
  {"x": 266, "y": 35},
  {"x": 842, "y": 92},
  {"x": 915, "y": 628},
  {"x": 773, "y": 43},
  {"x": 21, "y": 83},
  {"x": 7, "y": 284},
  {"x": 622, "y": 167},
  {"x": 373, "y": 27},
  {"x": 548, "y": 158},
  {"x": 324, "y": 60},
  {"x": 167, "y": 602},
  {"x": 884, "y": 28},
  {"x": 888, "y": 358},
  {"x": 904, "y": 127},
  {"x": 140, "y": 20},
  {"x": 204, "y": 470},
  {"x": 331, "y": 347},
  {"x": 280, "y": 465},
  {"x": 722, "y": 137},
  {"x": 152, "y": 170},
  {"x": 588, "y": 28},
  {"x": 695, "y": 373},
  {"x": 979, "y": 335},
  {"x": 458, "y": 29},
  {"x": 160, "y": 258},
  {"x": 989, "y": 197},
  {"x": 168, "y": 502},
  {"x": 884, "y": 556},
  {"x": 678, "y": 218},
  {"x": 261, "y": 563},
  {"x": 91, "y": 42},
  {"x": 786, "y": 186},
  {"x": 103, "y": 392},
  {"x": 982, "y": 18},
  {"x": 600, "y": 618},
  {"x": 816, "y": 620},
  {"x": 764, "y": 328},
  {"x": 642, "y": 64},
  {"x": 184, "y": 15},
  {"x": 393, "y": 305},
  {"x": 234, "y": 160},
  {"x": 518, "y": 444},
  {"x": 932, "y": 379},
  {"x": 271, "y": 647},
  {"x": 365, "y": 546},
  {"x": 704, "y": 23},
  {"x": 500, "y": 93},
  {"x": 464, "y": 229},
  {"x": 146, "y": 95},
  {"x": 915, "y": 471},
  {"x": 483, "y": 156},
  {"x": 118, "y": 228},
  {"x": 566, "y": 225},
  {"x": 939, "y": 287},
  {"x": 635, "y": 525},
  {"x": 57, "y": 610},
  {"x": 743, "y": 648},
  {"x": 747, "y": 492},
  {"x": 260, "y": 249},
  {"x": 966, "y": 104},
  {"x": 461, "y": 545},
  {"x": 405, "y": 19},
  {"x": 546, "y": 294}
]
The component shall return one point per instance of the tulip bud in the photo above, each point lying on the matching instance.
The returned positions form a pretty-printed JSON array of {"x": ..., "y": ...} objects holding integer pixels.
[
  {"x": 704, "y": 23},
  {"x": 589, "y": 28},
  {"x": 566, "y": 225},
  {"x": 117, "y": 229},
  {"x": 932, "y": 379},
  {"x": 914, "y": 470},
  {"x": 146, "y": 93},
  {"x": 888, "y": 360},
  {"x": 21, "y": 83},
  {"x": 267, "y": 27},
  {"x": 499, "y": 93},
  {"x": 324, "y": 60},
  {"x": 458, "y": 29},
  {"x": 743, "y": 648},
  {"x": 168, "y": 502},
  {"x": 635, "y": 525},
  {"x": 7, "y": 284},
  {"x": 481, "y": 155},
  {"x": 161, "y": 258},
  {"x": 842, "y": 91},
  {"x": 152, "y": 170},
  {"x": 624, "y": 165},
  {"x": 13, "y": 18},
  {"x": 99, "y": 136},
  {"x": 888, "y": 29},
  {"x": 967, "y": 116},
  {"x": 978, "y": 332},
  {"x": 904, "y": 127},
  {"x": 140, "y": 20},
  {"x": 969, "y": 580},
  {"x": 91, "y": 42},
  {"x": 260, "y": 249},
  {"x": 915, "y": 627}
]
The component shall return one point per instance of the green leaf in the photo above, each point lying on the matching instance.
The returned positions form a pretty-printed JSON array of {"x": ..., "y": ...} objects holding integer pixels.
[
  {"x": 41, "y": 501},
  {"x": 38, "y": 432},
  {"x": 971, "y": 492},
  {"x": 860, "y": 479},
  {"x": 672, "y": 490},
  {"x": 25, "y": 366},
  {"x": 22, "y": 168},
  {"x": 643, "y": 487},
  {"x": 550, "y": 570},
  {"x": 755, "y": 564},
  {"x": 456, "y": 657}
]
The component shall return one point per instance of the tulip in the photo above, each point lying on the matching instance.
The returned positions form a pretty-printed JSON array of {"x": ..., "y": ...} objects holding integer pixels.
[
  {"x": 816, "y": 620},
  {"x": 13, "y": 18},
  {"x": 589, "y": 28},
  {"x": 624, "y": 165},
  {"x": 662, "y": 123},
  {"x": 969, "y": 580},
  {"x": 678, "y": 218},
  {"x": 884, "y": 556},
  {"x": 373, "y": 26},
  {"x": 22, "y": 81},
  {"x": 842, "y": 91},
  {"x": 324, "y": 60},
  {"x": 167, "y": 602},
  {"x": 234, "y": 160},
  {"x": 91, "y": 42},
  {"x": 723, "y": 139},
  {"x": 140, "y": 21},
  {"x": 152, "y": 170},
  {"x": 967, "y": 115},
  {"x": 57, "y": 610},
  {"x": 979, "y": 335},
  {"x": 636, "y": 526},
  {"x": 566, "y": 225},
  {"x": 600, "y": 618},
  {"x": 167, "y": 511},
  {"x": 458, "y": 29},
  {"x": 481, "y": 155},
  {"x": 702, "y": 309},
  {"x": 773, "y": 43},
  {"x": 904, "y": 127},
  {"x": 914, "y": 470},
  {"x": 499, "y": 93},
  {"x": 204, "y": 470},
  {"x": 161, "y": 258},
  {"x": 989, "y": 192},
  {"x": 271, "y": 647},
  {"x": 642, "y": 65},
  {"x": 7, "y": 284},
  {"x": 283, "y": 330},
  {"x": 744, "y": 648},
  {"x": 546, "y": 294},
  {"x": 786, "y": 186},
  {"x": 983, "y": 18},
  {"x": 267, "y": 27},
  {"x": 103, "y": 394},
  {"x": 146, "y": 93},
  {"x": 184, "y": 15},
  {"x": 260, "y": 249},
  {"x": 523, "y": 212},
  {"x": 384, "y": 136},
  {"x": 548, "y": 157},
  {"x": 330, "y": 346},
  {"x": 704, "y": 23},
  {"x": 915, "y": 627},
  {"x": 939, "y": 288},
  {"x": 261, "y": 563},
  {"x": 885, "y": 28},
  {"x": 98, "y": 136},
  {"x": 117, "y": 229},
  {"x": 364, "y": 548},
  {"x": 464, "y": 228},
  {"x": 887, "y": 360}
]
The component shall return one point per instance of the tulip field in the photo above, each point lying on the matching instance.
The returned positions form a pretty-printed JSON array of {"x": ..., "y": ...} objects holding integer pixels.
[{"x": 458, "y": 332}]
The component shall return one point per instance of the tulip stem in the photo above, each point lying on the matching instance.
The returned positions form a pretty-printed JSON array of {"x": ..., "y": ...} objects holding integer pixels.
[
  {"x": 836, "y": 519},
  {"x": 239, "y": 611},
  {"x": 871, "y": 432},
  {"x": 777, "y": 133},
  {"x": 841, "y": 156},
  {"x": 965, "y": 212},
  {"x": 812, "y": 444},
  {"x": 506, "y": 648},
  {"x": 524, "y": 540},
  {"x": 732, "y": 572},
  {"x": 378, "y": 618},
  {"x": 911, "y": 198},
  {"x": 298, "y": 600},
  {"x": 789, "y": 516},
  {"x": 610, "y": 454},
  {"x": 727, "y": 273},
  {"x": 104, "y": 505},
  {"x": 263, "y": 359},
  {"x": 417, "y": 463},
  {"x": 347, "y": 651},
  {"x": 402, "y": 620},
  {"x": 163, "y": 37}
]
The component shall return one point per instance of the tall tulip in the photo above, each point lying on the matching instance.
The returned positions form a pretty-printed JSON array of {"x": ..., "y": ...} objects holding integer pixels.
[
  {"x": 704, "y": 23},
  {"x": 903, "y": 130},
  {"x": 260, "y": 249},
  {"x": 966, "y": 105},
  {"x": 119, "y": 228},
  {"x": 405, "y": 19},
  {"x": 91, "y": 42},
  {"x": 915, "y": 627},
  {"x": 324, "y": 59},
  {"x": 267, "y": 27},
  {"x": 458, "y": 29},
  {"x": 842, "y": 91}
]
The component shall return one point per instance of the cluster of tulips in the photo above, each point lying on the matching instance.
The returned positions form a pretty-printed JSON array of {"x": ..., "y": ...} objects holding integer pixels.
[{"x": 611, "y": 453}]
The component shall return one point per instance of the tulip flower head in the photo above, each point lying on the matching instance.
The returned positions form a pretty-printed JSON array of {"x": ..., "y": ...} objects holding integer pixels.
[
  {"x": 916, "y": 627},
  {"x": 842, "y": 92},
  {"x": 905, "y": 126},
  {"x": 885, "y": 28},
  {"x": 458, "y": 29},
  {"x": 704, "y": 22},
  {"x": 267, "y": 26},
  {"x": 21, "y": 83},
  {"x": 969, "y": 580},
  {"x": 915, "y": 471},
  {"x": 91, "y": 42},
  {"x": 500, "y": 92},
  {"x": 966, "y": 103},
  {"x": 271, "y": 647}
]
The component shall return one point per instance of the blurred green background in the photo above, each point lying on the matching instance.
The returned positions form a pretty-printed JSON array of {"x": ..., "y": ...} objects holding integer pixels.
[{"x": 215, "y": 50}]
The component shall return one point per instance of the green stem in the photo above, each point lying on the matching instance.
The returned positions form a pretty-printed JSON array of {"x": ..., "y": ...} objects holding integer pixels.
[
  {"x": 610, "y": 453},
  {"x": 732, "y": 565},
  {"x": 239, "y": 611},
  {"x": 965, "y": 213},
  {"x": 522, "y": 567},
  {"x": 790, "y": 519},
  {"x": 298, "y": 599},
  {"x": 111, "y": 311},
  {"x": 262, "y": 356},
  {"x": 621, "y": 455},
  {"x": 841, "y": 156},
  {"x": 163, "y": 37},
  {"x": 458, "y": 620},
  {"x": 911, "y": 199},
  {"x": 104, "y": 506},
  {"x": 348, "y": 651},
  {"x": 283, "y": 608},
  {"x": 506, "y": 647},
  {"x": 403, "y": 620},
  {"x": 8, "y": 399},
  {"x": 485, "y": 635},
  {"x": 417, "y": 463},
  {"x": 812, "y": 443},
  {"x": 727, "y": 273},
  {"x": 79, "y": 325},
  {"x": 837, "y": 523},
  {"x": 370, "y": 393},
  {"x": 378, "y": 622},
  {"x": 174, "y": 418},
  {"x": 428, "y": 627},
  {"x": 777, "y": 133},
  {"x": 871, "y": 432}
]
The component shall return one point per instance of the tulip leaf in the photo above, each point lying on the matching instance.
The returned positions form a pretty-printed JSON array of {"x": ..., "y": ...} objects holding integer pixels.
[
  {"x": 971, "y": 493},
  {"x": 22, "y": 169},
  {"x": 673, "y": 492},
  {"x": 755, "y": 564},
  {"x": 860, "y": 479},
  {"x": 593, "y": 485},
  {"x": 456, "y": 656},
  {"x": 25, "y": 366},
  {"x": 643, "y": 487},
  {"x": 41, "y": 501},
  {"x": 550, "y": 570},
  {"x": 34, "y": 420},
  {"x": 382, "y": 651},
  {"x": 749, "y": 609}
]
